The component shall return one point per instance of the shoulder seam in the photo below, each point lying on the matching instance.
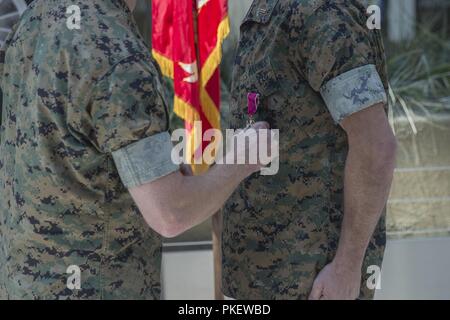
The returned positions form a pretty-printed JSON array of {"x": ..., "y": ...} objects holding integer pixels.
[{"x": 140, "y": 57}]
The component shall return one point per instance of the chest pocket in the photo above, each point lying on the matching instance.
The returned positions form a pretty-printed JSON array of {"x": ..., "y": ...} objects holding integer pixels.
[
  {"x": 263, "y": 77},
  {"x": 254, "y": 72},
  {"x": 259, "y": 78}
]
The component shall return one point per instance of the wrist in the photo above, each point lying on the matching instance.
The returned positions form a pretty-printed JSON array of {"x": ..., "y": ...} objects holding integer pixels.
[
  {"x": 240, "y": 171},
  {"x": 347, "y": 263},
  {"x": 252, "y": 168},
  {"x": 246, "y": 170}
]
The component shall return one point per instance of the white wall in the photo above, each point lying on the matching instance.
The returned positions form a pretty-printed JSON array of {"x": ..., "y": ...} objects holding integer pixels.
[
  {"x": 401, "y": 16},
  {"x": 413, "y": 269}
]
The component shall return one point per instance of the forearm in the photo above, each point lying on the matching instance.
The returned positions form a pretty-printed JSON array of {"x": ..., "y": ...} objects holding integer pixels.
[
  {"x": 199, "y": 197},
  {"x": 178, "y": 202},
  {"x": 367, "y": 185}
]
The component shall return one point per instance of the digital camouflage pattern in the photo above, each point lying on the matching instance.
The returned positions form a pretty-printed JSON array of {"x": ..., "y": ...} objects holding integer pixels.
[
  {"x": 70, "y": 99},
  {"x": 280, "y": 231}
]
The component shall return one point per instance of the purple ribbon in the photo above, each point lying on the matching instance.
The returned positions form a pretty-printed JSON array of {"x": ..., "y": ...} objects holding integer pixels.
[{"x": 252, "y": 103}]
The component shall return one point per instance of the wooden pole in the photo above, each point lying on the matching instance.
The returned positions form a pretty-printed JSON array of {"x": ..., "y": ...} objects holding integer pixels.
[
  {"x": 217, "y": 223},
  {"x": 217, "y": 218}
]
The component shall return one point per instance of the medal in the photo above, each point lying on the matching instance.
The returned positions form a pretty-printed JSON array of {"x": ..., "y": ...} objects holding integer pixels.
[{"x": 252, "y": 107}]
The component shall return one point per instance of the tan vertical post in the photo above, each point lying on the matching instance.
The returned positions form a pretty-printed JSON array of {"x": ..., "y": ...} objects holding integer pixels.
[
  {"x": 217, "y": 254},
  {"x": 217, "y": 218}
]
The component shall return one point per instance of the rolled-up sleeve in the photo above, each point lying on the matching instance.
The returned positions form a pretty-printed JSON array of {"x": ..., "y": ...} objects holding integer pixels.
[
  {"x": 128, "y": 119},
  {"x": 353, "y": 91},
  {"x": 145, "y": 161},
  {"x": 342, "y": 59}
]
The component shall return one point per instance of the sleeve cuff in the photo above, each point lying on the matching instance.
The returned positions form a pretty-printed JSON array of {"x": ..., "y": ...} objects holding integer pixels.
[
  {"x": 145, "y": 161},
  {"x": 353, "y": 91}
]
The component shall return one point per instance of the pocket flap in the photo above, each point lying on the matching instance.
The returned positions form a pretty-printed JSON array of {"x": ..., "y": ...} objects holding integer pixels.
[{"x": 264, "y": 77}]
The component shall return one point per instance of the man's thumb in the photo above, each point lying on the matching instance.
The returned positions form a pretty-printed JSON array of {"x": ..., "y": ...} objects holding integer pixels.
[{"x": 261, "y": 125}]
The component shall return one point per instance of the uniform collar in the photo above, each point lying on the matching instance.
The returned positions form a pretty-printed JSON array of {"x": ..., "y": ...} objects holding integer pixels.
[{"x": 260, "y": 11}]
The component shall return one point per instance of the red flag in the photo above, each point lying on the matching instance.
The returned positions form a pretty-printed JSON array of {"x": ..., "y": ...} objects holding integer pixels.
[
  {"x": 194, "y": 65},
  {"x": 162, "y": 33},
  {"x": 213, "y": 27}
]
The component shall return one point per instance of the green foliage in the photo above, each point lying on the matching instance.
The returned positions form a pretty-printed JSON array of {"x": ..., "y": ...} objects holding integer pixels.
[{"x": 419, "y": 73}]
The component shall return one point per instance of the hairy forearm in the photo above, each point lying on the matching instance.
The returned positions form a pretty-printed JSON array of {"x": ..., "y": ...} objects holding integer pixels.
[
  {"x": 368, "y": 179},
  {"x": 202, "y": 196},
  {"x": 179, "y": 202}
]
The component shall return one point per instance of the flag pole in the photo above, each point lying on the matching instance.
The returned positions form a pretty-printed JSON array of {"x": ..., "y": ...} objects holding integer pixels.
[
  {"x": 217, "y": 218},
  {"x": 217, "y": 254}
]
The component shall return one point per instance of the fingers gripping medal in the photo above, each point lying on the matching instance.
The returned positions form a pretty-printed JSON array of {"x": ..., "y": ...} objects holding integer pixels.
[{"x": 252, "y": 107}]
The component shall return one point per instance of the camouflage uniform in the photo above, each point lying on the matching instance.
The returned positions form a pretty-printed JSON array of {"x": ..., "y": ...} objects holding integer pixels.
[
  {"x": 313, "y": 64},
  {"x": 81, "y": 110}
]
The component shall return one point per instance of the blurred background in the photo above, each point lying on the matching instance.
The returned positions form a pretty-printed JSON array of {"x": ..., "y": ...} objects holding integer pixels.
[{"x": 417, "y": 264}]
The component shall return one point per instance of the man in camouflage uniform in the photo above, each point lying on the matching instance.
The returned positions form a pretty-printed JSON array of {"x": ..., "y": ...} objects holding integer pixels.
[
  {"x": 83, "y": 119},
  {"x": 321, "y": 76}
]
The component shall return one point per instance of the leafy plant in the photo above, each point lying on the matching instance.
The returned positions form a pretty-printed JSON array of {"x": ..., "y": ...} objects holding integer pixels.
[{"x": 419, "y": 73}]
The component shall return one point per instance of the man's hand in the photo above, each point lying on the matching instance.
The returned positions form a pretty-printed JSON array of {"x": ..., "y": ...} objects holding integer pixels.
[
  {"x": 244, "y": 153},
  {"x": 337, "y": 282},
  {"x": 179, "y": 201}
]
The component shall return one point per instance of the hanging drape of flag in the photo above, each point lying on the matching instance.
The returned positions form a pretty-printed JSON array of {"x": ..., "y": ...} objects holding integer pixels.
[{"x": 187, "y": 38}]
